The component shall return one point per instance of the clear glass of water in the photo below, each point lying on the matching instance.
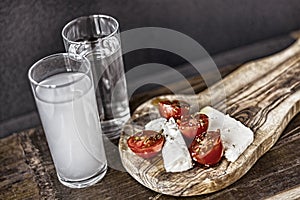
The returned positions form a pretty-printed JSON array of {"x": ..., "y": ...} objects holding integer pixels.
[
  {"x": 97, "y": 38},
  {"x": 63, "y": 89}
]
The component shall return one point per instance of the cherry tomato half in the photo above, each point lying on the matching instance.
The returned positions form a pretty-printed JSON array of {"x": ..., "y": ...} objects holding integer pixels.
[
  {"x": 175, "y": 109},
  {"x": 146, "y": 143},
  {"x": 192, "y": 126},
  {"x": 207, "y": 149}
]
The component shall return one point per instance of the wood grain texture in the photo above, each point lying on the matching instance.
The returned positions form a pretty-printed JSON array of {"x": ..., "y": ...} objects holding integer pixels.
[
  {"x": 16, "y": 175},
  {"x": 263, "y": 94}
]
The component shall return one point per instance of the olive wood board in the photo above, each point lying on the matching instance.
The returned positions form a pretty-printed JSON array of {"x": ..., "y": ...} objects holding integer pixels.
[{"x": 263, "y": 94}]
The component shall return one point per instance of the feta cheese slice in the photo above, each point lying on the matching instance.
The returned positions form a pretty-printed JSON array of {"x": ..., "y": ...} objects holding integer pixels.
[
  {"x": 234, "y": 135},
  {"x": 156, "y": 124},
  {"x": 175, "y": 153}
]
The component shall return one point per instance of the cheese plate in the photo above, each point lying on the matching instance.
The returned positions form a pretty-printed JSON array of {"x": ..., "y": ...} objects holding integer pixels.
[{"x": 263, "y": 95}]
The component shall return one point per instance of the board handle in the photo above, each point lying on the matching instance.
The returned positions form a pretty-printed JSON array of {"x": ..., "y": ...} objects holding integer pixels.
[{"x": 245, "y": 75}]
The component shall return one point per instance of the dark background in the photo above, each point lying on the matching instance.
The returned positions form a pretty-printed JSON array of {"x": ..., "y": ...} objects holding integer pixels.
[{"x": 31, "y": 29}]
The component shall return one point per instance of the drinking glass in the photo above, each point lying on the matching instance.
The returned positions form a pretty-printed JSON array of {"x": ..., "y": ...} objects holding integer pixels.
[
  {"x": 97, "y": 38},
  {"x": 63, "y": 89}
]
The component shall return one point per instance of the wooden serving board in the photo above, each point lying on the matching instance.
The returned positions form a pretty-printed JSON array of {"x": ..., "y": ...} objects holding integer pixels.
[{"x": 264, "y": 95}]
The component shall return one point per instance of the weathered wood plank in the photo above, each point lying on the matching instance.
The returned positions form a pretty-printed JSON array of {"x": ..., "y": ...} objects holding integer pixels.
[
  {"x": 291, "y": 194},
  {"x": 16, "y": 175}
]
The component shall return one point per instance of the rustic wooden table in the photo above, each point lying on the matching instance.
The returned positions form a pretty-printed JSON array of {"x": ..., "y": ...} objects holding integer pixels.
[{"x": 27, "y": 171}]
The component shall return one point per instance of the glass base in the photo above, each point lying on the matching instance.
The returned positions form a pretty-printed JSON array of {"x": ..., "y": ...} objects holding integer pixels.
[
  {"x": 86, "y": 182},
  {"x": 112, "y": 128}
]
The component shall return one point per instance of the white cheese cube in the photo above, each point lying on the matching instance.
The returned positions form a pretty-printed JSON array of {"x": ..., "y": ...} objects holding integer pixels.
[
  {"x": 156, "y": 124},
  {"x": 234, "y": 135},
  {"x": 175, "y": 153}
]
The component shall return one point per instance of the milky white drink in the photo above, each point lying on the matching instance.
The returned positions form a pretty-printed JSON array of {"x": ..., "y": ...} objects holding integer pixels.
[{"x": 70, "y": 120}]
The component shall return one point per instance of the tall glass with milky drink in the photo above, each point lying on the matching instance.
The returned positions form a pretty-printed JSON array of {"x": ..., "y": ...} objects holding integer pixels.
[
  {"x": 97, "y": 38},
  {"x": 63, "y": 89}
]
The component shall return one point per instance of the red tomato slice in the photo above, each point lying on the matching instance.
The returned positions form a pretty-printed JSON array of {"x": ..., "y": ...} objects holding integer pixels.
[
  {"x": 175, "y": 109},
  {"x": 193, "y": 125},
  {"x": 146, "y": 144},
  {"x": 207, "y": 149}
]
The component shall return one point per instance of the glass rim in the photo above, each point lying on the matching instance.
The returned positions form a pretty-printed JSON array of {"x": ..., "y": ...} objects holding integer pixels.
[
  {"x": 69, "y": 56},
  {"x": 86, "y": 17}
]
